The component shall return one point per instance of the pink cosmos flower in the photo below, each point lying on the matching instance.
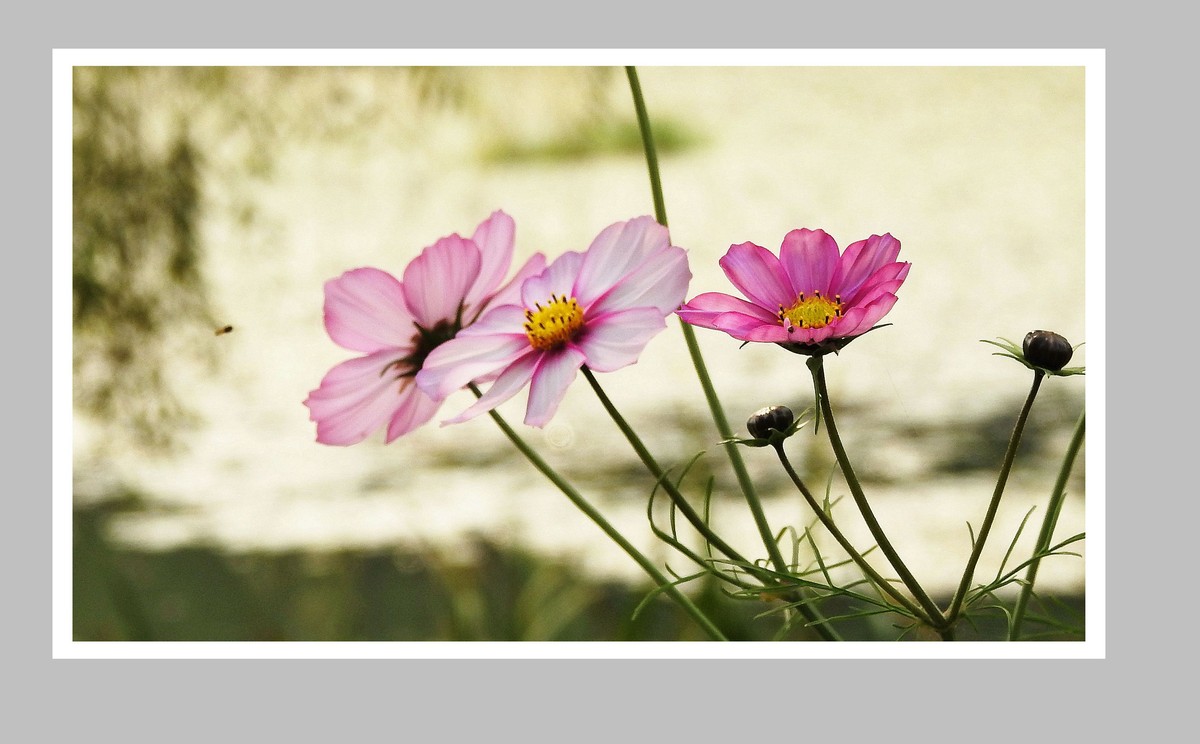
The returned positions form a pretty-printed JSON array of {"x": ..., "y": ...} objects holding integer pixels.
[
  {"x": 810, "y": 299},
  {"x": 598, "y": 308},
  {"x": 396, "y": 324}
]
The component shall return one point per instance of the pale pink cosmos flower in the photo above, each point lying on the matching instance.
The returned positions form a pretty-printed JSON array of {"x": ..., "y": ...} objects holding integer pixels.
[
  {"x": 810, "y": 299},
  {"x": 599, "y": 308},
  {"x": 396, "y": 324}
]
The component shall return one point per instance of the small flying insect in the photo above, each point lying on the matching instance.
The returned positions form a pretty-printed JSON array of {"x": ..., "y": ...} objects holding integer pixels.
[{"x": 223, "y": 331}]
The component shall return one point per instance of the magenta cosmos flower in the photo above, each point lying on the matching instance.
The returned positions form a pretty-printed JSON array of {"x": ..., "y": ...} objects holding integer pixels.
[
  {"x": 810, "y": 299},
  {"x": 396, "y": 324},
  {"x": 598, "y": 308}
]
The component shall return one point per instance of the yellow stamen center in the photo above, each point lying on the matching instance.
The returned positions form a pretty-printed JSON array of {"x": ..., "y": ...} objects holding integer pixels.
[
  {"x": 553, "y": 324},
  {"x": 810, "y": 311}
]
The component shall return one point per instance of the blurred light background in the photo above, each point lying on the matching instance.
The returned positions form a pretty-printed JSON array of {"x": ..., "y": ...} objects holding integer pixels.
[{"x": 206, "y": 197}]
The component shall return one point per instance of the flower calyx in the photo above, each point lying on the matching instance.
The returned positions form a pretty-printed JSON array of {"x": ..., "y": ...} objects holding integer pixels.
[{"x": 829, "y": 345}]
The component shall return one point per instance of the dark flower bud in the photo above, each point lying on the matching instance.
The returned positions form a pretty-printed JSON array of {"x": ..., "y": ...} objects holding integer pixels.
[
  {"x": 1047, "y": 349},
  {"x": 779, "y": 418}
]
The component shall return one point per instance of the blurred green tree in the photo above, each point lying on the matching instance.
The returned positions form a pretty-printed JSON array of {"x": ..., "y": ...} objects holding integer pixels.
[{"x": 136, "y": 278}]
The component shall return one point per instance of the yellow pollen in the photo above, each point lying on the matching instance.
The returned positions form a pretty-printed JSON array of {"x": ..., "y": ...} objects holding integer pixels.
[
  {"x": 554, "y": 323},
  {"x": 812, "y": 311}
]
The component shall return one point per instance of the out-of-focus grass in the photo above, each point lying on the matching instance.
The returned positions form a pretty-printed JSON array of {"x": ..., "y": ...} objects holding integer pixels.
[{"x": 496, "y": 594}]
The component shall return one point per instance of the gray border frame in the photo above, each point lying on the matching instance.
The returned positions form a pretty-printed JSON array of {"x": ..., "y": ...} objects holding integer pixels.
[{"x": 187, "y": 700}]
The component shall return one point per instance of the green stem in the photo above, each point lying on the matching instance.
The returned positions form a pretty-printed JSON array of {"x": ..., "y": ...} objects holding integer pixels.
[
  {"x": 883, "y": 584},
  {"x": 665, "y": 584},
  {"x": 639, "y": 105},
  {"x": 817, "y": 367},
  {"x": 731, "y": 449},
  {"x": 1009, "y": 456},
  {"x": 686, "y": 509},
  {"x": 710, "y": 394},
  {"x": 659, "y": 474},
  {"x": 1048, "y": 523}
]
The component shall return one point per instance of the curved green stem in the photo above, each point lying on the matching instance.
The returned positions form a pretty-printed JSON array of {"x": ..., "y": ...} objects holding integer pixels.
[
  {"x": 1053, "y": 508},
  {"x": 817, "y": 367},
  {"x": 731, "y": 449},
  {"x": 686, "y": 509},
  {"x": 1009, "y": 456},
  {"x": 659, "y": 474},
  {"x": 665, "y": 584},
  {"x": 883, "y": 584}
]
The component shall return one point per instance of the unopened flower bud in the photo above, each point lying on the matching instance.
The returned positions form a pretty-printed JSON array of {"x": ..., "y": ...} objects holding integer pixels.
[
  {"x": 779, "y": 418},
  {"x": 1047, "y": 349}
]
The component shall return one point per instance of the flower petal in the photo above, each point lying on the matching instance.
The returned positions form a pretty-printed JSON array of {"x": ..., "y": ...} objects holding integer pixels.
[
  {"x": 415, "y": 409},
  {"x": 861, "y": 260},
  {"x": 660, "y": 282},
  {"x": 558, "y": 278},
  {"x": 872, "y": 290},
  {"x": 494, "y": 239},
  {"x": 508, "y": 384},
  {"x": 615, "y": 253},
  {"x": 809, "y": 258},
  {"x": 503, "y": 320},
  {"x": 365, "y": 311},
  {"x": 888, "y": 277},
  {"x": 743, "y": 320},
  {"x": 510, "y": 294},
  {"x": 554, "y": 373},
  {"x": 615, "y": 340},
  {"x": 478, "y": 350},
  {"x": 436, "y": 282},
  {"x": 357, "y": 397},
  {"x": 747, "y": 328},
  {"x": 862, "y": 318},
  {"x": 701, "y": 309},
  {"x": 756, "y": 273},
  {"x": 763, "y": 333}
]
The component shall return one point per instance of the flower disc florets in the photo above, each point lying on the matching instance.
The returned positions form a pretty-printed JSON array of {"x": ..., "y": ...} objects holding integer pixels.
[{"x": 552, "y": 325}]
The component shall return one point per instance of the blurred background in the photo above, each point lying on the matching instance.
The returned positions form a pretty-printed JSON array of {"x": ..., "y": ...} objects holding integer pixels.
[{"x": 214, "y": 197}]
